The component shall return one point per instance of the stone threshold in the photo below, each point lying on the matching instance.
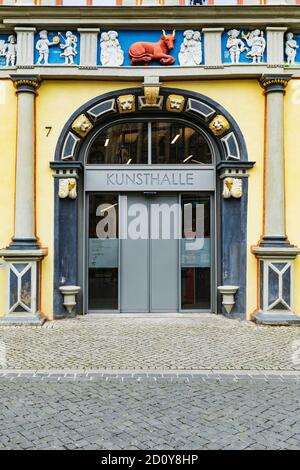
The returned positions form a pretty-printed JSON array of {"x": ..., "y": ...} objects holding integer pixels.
[{"x": 154, "y": 374}]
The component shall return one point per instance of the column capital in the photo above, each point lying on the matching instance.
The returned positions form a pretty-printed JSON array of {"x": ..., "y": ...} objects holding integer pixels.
[
  {"x": 26, "y": 83},
  {"x": 275, "y": 83},
  {"x": 26, "y": 29}
]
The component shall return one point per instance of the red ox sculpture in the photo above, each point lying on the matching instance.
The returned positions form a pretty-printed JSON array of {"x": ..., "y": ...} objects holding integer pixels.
[{"x": 145, "y": 52}]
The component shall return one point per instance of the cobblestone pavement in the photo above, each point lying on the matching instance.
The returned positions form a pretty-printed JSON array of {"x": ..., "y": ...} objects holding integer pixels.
[
  {"x": 149, "y": 413},
  {"x": 205, "y": 342}
]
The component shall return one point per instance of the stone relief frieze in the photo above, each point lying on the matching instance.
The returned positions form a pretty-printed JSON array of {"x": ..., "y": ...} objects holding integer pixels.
[
  {"x": 111, "y": 55},
  {"x": 8, "y": 51},
  {"x": 56, "y": 48},
  {"x": 291, "y": 48},
  {"x": 127, "y": 48},
  {"x": 190, "y": 53},
  {"x": 244, "y": 46}
]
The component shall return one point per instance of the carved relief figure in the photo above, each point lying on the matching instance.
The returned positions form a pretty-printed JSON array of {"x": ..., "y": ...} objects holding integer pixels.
[
  {"x": 175, "y": 103},
  {"x": 257, "y": 43},
  {"x": 291, "y": 47},
  {"x": 235, "y": 45},
  {"x": 126, "y": 103},
  {"x": 82, "y": 125},
  {"x": 9, "y": 51},
  {"x": 69, "y": 47},
  {"x": 104, "y": 54},
  {"x": 111, "y": 54},
  {"x": 219, "y": 125},
  {"x": 190, "y": 50},
  {"x": 42, "y": 46},
  {"x": 232, "y": 187},
  {"x": 67, "y": 188},
  {"x": 144, "y": 52}
]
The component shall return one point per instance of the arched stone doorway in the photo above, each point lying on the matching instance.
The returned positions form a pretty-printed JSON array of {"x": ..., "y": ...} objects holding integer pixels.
[{"x": 148, "y": 111}]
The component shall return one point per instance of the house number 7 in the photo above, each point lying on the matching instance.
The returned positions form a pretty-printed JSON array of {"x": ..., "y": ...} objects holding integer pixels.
[{"x": 48, "y": 129}]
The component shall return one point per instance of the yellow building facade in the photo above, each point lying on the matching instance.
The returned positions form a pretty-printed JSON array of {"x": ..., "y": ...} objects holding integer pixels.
[{"x": 83, "y": 124}]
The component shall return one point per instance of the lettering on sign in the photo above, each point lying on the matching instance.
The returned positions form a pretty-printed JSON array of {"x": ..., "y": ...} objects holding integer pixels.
[{"x": 150, "y": 179}]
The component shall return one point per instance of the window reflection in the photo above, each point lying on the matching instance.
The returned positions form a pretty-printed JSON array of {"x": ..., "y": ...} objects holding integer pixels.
[
  {"x": 175, "y": 143},
  {"x": 171, "y": 142},
  {"x": 121, "y": 144}
]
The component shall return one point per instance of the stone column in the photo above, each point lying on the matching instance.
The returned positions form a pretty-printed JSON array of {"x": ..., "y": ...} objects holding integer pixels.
[
  {"x": 275, "y": 253},
  {"x": 25, "y": 41},
  {"x": 274, "y": 232},
  {"x": 212, "y": 46},
  {"x": 88, "y": 46},
  {"x": 25, "y": 204},
  {"x": 23, "y": 255}
]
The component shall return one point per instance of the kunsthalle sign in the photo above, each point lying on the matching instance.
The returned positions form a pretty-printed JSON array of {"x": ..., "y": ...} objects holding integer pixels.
[{"x": 154, "y": 180}]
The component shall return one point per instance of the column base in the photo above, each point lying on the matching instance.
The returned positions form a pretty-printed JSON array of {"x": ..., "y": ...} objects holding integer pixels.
[
  {"x": 277, "y": 318},
  {"x": 275, "y": 242},
  {"x": 276, "y": 285},
  {"x": 24, "y": 244},
  {"x": 23, "y": 286},
  {"x": 19, "y": 320}
]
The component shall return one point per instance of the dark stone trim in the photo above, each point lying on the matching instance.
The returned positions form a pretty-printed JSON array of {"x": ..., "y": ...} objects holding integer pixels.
[
  {"x": 275, "y": 83},
  {"x": 26, "y": 83},
  {"x": 66, "y": 165},
  {"x": 65, "y": 248},
  {"x": 233, "y": 249},
  {"x": 24, "y": 244},
  {"x": 275, "y": 242},
  {"x": 242, "y": 165}
]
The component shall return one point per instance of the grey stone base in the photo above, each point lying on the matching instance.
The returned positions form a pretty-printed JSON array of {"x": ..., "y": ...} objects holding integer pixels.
[
  {"x": 281, "y": 318},
  {"x": 20, "y": 320}
]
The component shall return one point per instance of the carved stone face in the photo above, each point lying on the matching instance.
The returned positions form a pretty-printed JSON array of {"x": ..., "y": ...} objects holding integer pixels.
[
  {"x": 188, "y": 34},
  {"x": 175, "y": 103},
  {"x": 44, "y": 34},
  {"x": 126, "y": 103},
  {"x": 82, "y": 125},
  {"x": 219, "y": 125},
  {"x": 234, "y": 33}
]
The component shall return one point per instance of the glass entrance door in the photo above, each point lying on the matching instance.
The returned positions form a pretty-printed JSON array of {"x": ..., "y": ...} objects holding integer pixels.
[
  {"x": 103, "y": 252},
  {"x": 196, "y": 253},
  {"x": 149, "y": 253}
]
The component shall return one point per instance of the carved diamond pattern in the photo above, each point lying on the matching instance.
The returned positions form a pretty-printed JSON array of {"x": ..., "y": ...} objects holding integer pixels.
[
  {"x": 279, "y": 286},
  {"x": 20, "y": 282}
]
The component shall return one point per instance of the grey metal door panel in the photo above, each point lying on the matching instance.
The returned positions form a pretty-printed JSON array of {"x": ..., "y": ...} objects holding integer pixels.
[
  {"x": 134, "y": 276},
  {"x": 164, "y": 258},
  {"x": 164, "y": 295},
  {"x": 134, "y": 295}
]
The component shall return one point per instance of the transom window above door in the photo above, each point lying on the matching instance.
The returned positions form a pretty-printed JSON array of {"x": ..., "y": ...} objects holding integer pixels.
[{"x": 159, "y": 142}]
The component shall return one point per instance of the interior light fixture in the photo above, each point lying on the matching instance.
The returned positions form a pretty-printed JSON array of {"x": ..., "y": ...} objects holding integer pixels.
[
  {"x": 109, "y": 207},
  {"x": 188, "y": 158},
  {"x": 175, "y": 138},
  {"x": 128, "y": 162},
  {"x": 106, "y": 143},
  {"x": 196, "y": 161}
]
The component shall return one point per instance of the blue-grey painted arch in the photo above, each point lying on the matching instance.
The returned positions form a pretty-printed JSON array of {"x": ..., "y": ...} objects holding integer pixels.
[{"x": 188, "y": 114}]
